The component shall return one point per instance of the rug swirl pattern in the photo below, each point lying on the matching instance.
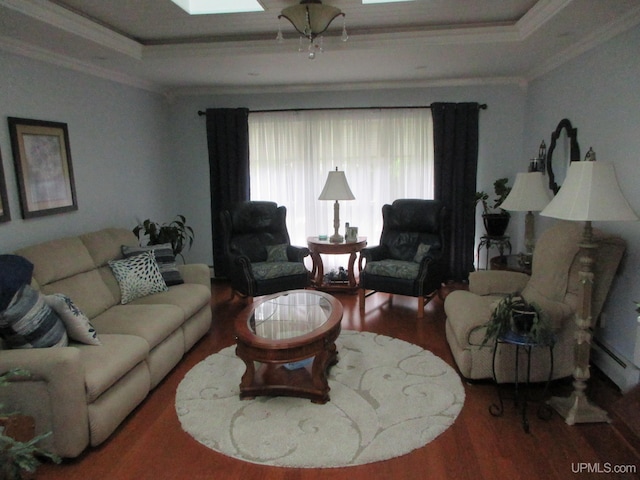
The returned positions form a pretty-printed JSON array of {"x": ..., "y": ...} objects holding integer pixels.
[{"x": 388, "y": 397}]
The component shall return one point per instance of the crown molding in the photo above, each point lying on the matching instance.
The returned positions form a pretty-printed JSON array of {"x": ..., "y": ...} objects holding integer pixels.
[
  {"x": 597, "y": 37},
  {"x": 436, "y": 36},
  {"x": 36, "y": 53},
  {"x": 75, "y": 24},
  {"x": 538, "y": 15},
  {"x": 314, "y": 88}
]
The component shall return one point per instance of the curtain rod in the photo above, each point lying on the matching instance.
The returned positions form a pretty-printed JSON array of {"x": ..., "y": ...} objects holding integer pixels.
[{"x": 201, "y": 112}]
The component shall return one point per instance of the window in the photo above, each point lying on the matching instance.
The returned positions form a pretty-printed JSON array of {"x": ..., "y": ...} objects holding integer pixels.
[{"x": 385, "y": 154}]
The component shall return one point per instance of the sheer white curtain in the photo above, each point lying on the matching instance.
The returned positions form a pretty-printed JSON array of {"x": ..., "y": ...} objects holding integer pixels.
[{"x": 385, "y": 153}]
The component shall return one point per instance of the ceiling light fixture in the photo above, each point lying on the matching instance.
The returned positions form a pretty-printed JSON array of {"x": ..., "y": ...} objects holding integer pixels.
[{"x": 311, "y": 19}]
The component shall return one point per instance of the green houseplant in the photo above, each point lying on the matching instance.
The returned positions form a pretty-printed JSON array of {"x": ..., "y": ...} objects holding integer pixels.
[
  {"x": 496, "y": 219},
  {"x": 16, "y": 457},
  {"x": 177, "y": 233},
  {"x": 514, "y": 313}
]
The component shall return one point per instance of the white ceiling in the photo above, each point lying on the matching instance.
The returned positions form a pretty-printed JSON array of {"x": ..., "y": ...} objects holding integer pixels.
[{"x": 154, "y": 44}]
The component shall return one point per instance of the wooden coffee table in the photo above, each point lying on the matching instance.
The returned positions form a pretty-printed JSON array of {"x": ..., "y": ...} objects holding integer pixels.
[{"x": 287, "y": 342}]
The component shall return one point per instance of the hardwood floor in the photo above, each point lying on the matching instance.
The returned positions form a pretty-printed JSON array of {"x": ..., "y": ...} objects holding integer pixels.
[{"x": 150, "y": 444}]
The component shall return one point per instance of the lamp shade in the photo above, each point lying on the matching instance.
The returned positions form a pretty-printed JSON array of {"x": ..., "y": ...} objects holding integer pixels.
[
  {"x": 311, "y": 18},
  {"x": 590, "y": 193},
  {"x": 529, "y": 194},
  {"x": 336, "y": 187}
]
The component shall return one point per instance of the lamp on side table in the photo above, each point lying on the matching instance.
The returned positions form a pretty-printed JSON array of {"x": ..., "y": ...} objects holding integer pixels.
[
  {"x": 336, "y": 188},
  {"x": 528, "y": 194}
]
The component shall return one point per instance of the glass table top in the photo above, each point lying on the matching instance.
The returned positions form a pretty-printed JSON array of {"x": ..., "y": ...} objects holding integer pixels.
[{"x": 290, "y": 315}]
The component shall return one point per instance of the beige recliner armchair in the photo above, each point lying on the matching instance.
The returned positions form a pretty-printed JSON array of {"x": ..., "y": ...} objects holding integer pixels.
[{"x": 554, "y": 286}]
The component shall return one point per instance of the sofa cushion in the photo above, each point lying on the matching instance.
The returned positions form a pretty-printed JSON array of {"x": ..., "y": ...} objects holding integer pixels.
[
  {"x": 277, "y": 253},
  {"x": 154, "y": 323},
  {"x": 188, "y": 297},
  {"x": 28, "y": 322},
  {"x": 165, "y": 258},
  {"x": 108, "y": 363},
  {"x": 58, "y": 259},
  {"x": 266, "y": 270},
  {"x": 106, "y": 244},
  {"x": 76, "y": 323},
  {"x": 138, "y": 276},
  {"x": 394, "y": 268},
  {"x": 88, "y": 290}
]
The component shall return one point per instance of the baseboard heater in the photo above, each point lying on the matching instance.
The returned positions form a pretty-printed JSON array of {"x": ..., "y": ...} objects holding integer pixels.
[{"x": 619, "y": 370}]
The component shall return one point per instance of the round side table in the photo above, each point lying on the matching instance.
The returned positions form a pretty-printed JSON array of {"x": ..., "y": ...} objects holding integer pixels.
[{"x": 317, "y": 247}]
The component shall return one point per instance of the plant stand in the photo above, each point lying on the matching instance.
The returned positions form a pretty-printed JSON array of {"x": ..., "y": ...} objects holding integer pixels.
[
  {"x": 521, "y": 400},
  {"x": 503, "y": 242}
]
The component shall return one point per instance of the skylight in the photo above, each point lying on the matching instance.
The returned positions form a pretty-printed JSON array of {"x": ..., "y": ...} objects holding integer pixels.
[
  {"x": 204, "y": 7},
  {"x": 366, "y": 2}
]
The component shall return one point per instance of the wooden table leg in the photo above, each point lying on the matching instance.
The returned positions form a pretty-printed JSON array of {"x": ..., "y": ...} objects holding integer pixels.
[
  {"x": 350, "y": 273},
  {"x": 318, "y": 269}
]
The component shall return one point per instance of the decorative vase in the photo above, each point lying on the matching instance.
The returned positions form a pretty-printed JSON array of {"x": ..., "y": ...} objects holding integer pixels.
[{"x": 496, "y": 224}]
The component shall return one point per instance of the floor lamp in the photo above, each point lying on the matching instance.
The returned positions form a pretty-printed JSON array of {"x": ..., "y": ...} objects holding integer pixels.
[
  {"x": 590, "y": 193},
  {"x": 529, "y": 194}
]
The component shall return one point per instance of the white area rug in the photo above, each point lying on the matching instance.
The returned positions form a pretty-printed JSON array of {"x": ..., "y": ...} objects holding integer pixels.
[{"x": 388, "y": 397}]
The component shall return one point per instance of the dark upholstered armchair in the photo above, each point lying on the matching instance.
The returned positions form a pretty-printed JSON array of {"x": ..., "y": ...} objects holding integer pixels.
[
  {"x": 261, "y": 258},
  {"x": 410, "y": 259}
]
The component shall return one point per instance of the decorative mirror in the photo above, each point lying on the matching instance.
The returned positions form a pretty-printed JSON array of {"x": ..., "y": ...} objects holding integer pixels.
[{"x": 564, "y": 143}]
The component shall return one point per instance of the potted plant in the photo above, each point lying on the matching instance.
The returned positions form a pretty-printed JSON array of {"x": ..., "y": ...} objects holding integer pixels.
[
  {"x": 177, "y": 233},
  {"x": 495, "y": 218},
  {"x": 19, "y": 454},
  {"x": 514, "y": 314}
]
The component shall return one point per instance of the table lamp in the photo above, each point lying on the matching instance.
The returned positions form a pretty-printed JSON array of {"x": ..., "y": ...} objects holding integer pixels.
[
  {"x": 336, "y": 188},
  {"x": 590, "y": 193},
  {"x": 529, "y": 194}
]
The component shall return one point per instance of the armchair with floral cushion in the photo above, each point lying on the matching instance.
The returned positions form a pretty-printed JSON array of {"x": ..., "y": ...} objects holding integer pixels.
[
  {"x": 411, "y": 258},
  {"x": 261, "y": 259}
]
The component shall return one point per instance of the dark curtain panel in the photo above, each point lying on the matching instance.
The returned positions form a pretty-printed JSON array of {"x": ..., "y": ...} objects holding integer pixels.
[
  {"x": 228, "y": 144},
  {"x": 455, "y": 131}
]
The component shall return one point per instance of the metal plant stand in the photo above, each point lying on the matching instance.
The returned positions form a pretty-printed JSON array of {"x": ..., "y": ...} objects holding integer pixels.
[{"x": 522, "y": 398}]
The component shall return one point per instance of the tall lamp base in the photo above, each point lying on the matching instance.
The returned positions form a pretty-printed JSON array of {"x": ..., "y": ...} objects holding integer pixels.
[
  {"x": 577, "y": 409},
  {"x": 336, "y": 237}
]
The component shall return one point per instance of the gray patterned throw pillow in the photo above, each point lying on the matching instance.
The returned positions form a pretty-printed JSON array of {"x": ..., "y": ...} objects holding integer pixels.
[{"x": 28, "y": 322}]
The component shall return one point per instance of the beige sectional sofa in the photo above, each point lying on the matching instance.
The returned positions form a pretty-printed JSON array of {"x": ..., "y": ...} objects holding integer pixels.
[{"x": 81, "y": 393}]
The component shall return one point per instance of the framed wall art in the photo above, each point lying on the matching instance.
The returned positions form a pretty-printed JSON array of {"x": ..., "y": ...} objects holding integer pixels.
[
  {"x": 5, "y": 215},
  {"x": 42, "y": 160}
]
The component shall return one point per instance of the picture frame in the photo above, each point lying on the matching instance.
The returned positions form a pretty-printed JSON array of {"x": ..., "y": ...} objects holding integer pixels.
[
  {"x": 351, "y": 234},
  {"x": 42, "y": 158},
  {"x": 5, "y": 214}
]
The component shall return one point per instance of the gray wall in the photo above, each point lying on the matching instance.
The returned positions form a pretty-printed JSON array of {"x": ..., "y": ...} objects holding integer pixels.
[
  {"x": 599, "y": 92},
  {"x": 119, "y": 149}
]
